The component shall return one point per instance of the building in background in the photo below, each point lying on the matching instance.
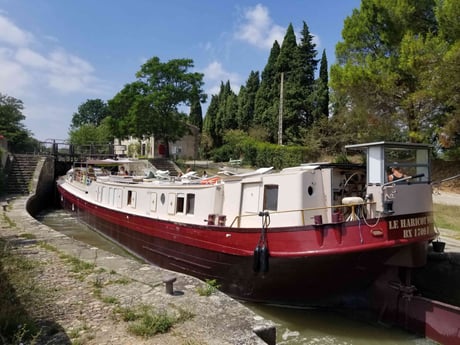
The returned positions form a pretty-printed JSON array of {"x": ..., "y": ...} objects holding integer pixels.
[{"x": 148, "y": 147}]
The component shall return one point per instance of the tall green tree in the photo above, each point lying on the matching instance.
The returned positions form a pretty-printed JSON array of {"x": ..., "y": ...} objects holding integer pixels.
[
  {"x": 321, "y": 91},
  {"x": 246, "y": 101},
  {"x": 444, "y": 79},
  {"x": 210, "y": 132},
  {"x": 307, "y": 65},
  {"x": 90, "y": 134},
  {"x": 288, "y": 64},
  {"x": 11, "y": 127},
  {"x": 267, "y": 97},
  {"x": 371, "y": 70},
  {"x": 196, "y": 112},
  {"x": 122, "y": 109},
  {"x": 152, "y": 101},
  {"x": 93, "y": 111}
]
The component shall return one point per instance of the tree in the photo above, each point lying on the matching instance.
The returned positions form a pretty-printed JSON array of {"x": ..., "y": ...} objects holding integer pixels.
[
  {"x": 321, "y": 92},
  {"x": 121, "y": 110},
  {"x": 246, "y": 101},
  {"x": 267, "y": 96},
  {"x": 373, "y": 71},
  {"x": 149, "y": 106},
  {"x": 288, "y": 65},
  {"x": 196, "y": 113},
  {"x": 211, "y": 137},
  {"x": 93, "y": 111},
  {"x": 306, "y": 65},
  {"x": 11, "y": 126},
  {"x": 90, "y": 134}
]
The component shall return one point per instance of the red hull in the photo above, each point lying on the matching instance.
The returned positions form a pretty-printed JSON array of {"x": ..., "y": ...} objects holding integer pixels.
[{"x": 329, "y": 273}]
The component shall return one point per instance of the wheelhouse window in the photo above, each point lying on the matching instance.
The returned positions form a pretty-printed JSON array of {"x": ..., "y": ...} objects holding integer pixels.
[
  {"x": 190, "y": 209},
  {"x": 271, "y": 197},
  {"x": 180, "y": 203}
]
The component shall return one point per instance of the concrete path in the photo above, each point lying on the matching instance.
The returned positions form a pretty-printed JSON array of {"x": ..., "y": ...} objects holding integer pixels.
[{"x": 216, "y": 319}]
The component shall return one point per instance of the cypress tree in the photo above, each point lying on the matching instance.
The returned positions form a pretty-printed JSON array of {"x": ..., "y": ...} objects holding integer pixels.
[
  {"x": 290, "y": 64},
  {"x": 246, "y": 101},
  {"x": 321, "y": 98},
  {"x": 196, "y": 113},
  {"x": 210, "y": 122},
  {"x": 267, "y": 96},
  {"x": 307, "y": 64}
]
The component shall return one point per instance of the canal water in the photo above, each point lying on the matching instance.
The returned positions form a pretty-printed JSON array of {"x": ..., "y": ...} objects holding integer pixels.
[{"x": 294, "y": 326}]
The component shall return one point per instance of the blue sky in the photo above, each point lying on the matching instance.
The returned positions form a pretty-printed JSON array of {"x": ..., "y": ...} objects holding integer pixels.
[{"x": 56, "y": 54}]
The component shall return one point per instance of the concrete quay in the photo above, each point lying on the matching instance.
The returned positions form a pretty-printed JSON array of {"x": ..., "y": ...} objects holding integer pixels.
[{"x": 84, "y": 306}]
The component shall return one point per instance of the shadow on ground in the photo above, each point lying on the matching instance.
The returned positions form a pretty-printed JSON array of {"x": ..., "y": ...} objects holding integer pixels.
[{"x": 17, "y": 290}]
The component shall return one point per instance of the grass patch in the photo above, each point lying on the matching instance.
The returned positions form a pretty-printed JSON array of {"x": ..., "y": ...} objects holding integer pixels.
[
  {"x": 77, "y": 265},
  {"x": 145, "y": 321},
  {"x": 9, "y": 221},
  {"x": 28, "y": 236},
  {"x": 110, "y": 300},
  {"x": 446, "y": 217},
  {"x": 208, "y": 288},
  {"x": 17, "y": 288},
  {"x": 49, "y": 247}
]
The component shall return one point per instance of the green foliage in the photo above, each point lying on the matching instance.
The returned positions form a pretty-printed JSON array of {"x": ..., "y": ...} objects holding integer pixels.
[
  {"x": 149, "y": 106},
  {"x": 11, "y": 126},
  {"x": 88, "y": 134},
  {"x": 246, "y": 101},
  {"x": 196, "y": 113},
  {"x": 17, "y": 287},
  {"x": 267, "y": 96},
  {"x": 239, "y": 145},
  {"x": 145, "y": 321},
  {"x": 91, "y": 112},
  {"x": 392, "y": 64},
  {"x": 208, "y": 288}
]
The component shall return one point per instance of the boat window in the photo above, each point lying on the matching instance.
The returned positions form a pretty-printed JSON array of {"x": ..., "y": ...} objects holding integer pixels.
[
  {"x": 180, "y": 203},
  {"x": 271, "y": 197},
  {"x": 190, "y": 204},
  {"x": 131, "y": 198},
  {"x": 409, "y": 162}
]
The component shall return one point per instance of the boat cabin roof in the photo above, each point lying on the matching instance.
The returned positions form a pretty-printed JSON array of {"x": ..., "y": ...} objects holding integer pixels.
[{"x": 388, "y": 144}]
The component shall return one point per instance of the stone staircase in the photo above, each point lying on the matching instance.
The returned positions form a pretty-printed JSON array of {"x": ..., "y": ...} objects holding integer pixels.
[
  {"x": 165, "y": 164},
  {"x": 20, "y": 174}
]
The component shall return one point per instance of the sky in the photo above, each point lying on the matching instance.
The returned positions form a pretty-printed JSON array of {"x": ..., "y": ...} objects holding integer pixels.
[{"x": 57, "y": 54}]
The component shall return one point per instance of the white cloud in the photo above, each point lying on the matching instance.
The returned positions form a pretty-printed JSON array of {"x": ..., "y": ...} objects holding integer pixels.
[
  {"x": 45, "y": 77},
  {"x": 215, "y": 74},
  {"x": 258, "y": 28},
  {"x": 11, "y": 34},
  {"x": 54, "y": 69},
  {"x": 30, "y": 58},
  {"x": 13, "y": 77}
]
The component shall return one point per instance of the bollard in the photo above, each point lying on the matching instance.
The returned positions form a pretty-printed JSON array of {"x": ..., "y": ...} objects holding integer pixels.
[{"x": 169, "y": 281}]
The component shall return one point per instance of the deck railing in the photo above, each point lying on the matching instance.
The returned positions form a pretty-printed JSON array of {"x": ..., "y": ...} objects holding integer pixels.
[{"x": 237, "y": 219}]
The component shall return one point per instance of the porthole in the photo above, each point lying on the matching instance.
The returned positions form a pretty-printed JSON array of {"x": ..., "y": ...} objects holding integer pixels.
[
  {"x": 310, "y": 190},
  {"x": 162, "y": 198}
]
